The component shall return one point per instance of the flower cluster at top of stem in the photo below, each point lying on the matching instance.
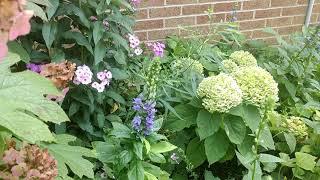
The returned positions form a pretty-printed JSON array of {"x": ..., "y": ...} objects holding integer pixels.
[
  {"x": 152, "y": 77},
  {"x": 296, "y": 126},
  {"x": 143, "y": 121},
  {"x": 239, "y": 59},
  {"x": 184, "y": 64},
  {"x": 29, "y": 163},
  {"x": 14, "y": 22},
  {"x": 83, "y": 75},
  {"x": 219, "y": 93},
  {"x": 157, "y": 48},
  {"x": 134, "y": 43}
]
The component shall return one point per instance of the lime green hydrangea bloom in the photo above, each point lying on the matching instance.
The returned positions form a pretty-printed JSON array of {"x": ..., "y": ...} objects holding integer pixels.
[
  {"x": 243, "y": 58},
  {"x": 184, "y": 64},
  {"x": 219, "y": 93},
  {"x": 257, "y": 85},
  {"x": 296, "y": 126},
  {"x": 230, "y": 66}
]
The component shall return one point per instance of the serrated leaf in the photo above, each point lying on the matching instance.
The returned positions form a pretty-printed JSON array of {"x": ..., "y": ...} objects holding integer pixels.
[
  {"x": 195, "y": 152},
  {"x": 138, "y": 149},
  {"x": 106, "y": 152},
  {"x": 269, "y": 158},
  {"x": 216, "y": 146},
  {"x": 136, "y": 171},
  {"x": 120, "y": 130},
  {"x": 72, "y": 156},
  {"x": 22, "y": 100},
  {"x": 291, "y": 141},
  {"x": 235, "y": 129},
  {"x": 208, "y": 123},
  {"x": 305, "y": 161}
]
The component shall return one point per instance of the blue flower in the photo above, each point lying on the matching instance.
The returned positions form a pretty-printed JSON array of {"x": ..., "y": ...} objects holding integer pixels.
[{"x": 136, "y": 123}]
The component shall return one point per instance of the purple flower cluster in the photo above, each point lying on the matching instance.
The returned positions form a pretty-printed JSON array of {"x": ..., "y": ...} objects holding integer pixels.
[
  {"x": 34, "y": 67},
  {"x": 143, "y": 122},
  {"x": 83, "y": 75},
  {"x": 135, "y": 44},
  {"x": 157, "y": 48},
  {"x": 135, "y": 2}
]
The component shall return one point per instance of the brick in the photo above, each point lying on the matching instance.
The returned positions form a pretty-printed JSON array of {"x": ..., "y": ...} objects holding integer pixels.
[
  {"x": 161, "y": 34},
  {"x": 164, "y": 12},
  {"x": 300, "y": 10},
  {"x": 142, "y": 14},
  {"x": 271, "y": 40},
  {"x": 178, "y": 2},
  {"x": 222, "y": 7},
  {"x": 298, "y": 19},
  {"x": 241, "y": 16},
  {"x": 248, "y": 34},
  {"x": 267, "y": 13},
  {"x": 195, "y": 9},
  {"x": 151, "y": 3},
  {"x": 256, "y": 4},
  {"x": 255, "y": 24},
  {"x": 204, "y": 19},
  {"x": 278, "y": 22},
  {"x": 195, "y": 31},
  {"x": 278, "y": 3},
  {"x": 260, "y": 34},
  {"x": 149, "y": 24},
  {"x": 143, "y": 36},
  {"x": 316, "y": 8},
  {"x": 302, "y": 2},
  {"x": 183, "y": 21},
  {"x": 289, "y": 30}
]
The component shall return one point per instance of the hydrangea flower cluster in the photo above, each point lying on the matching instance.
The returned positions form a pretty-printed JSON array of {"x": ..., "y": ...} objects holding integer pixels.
[
  {"x": 83, "y": 75},
  {"x": 257, "y": 85},
  {"x": 135, "y": 44},
  {"x": 157, "y": 48},
  {"x": 188, "y": 64},
  {"x": 296, "y": 126},
  {"x": 243, "y": 58},
  {"x": 219, "y": 93},
  {"x": 29, "y": 163},
  {"x": 14, "y": 22},
  {"x": 143, "y": 122},
  {"x": 229, "y": 66}
]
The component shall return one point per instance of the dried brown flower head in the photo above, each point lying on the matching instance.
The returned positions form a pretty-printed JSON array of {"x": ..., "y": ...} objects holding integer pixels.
[{"x": 59, "y": 73}]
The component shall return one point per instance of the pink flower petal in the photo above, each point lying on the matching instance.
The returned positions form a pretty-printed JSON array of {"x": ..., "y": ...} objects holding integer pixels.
[{"x": 21, "y": 25}]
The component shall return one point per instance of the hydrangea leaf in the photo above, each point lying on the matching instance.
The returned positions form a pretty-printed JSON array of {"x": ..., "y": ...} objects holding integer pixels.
[
  {"x": 195, "y": 152},
  {"x": 23, "y": 107},
  {"x": 71, "y": 156},
  {"x": 305, "y": 161},
  {"x": 208, "y": 123},
  {"x": 235, "y": 129},
  {"x": 216, "y": 146}
]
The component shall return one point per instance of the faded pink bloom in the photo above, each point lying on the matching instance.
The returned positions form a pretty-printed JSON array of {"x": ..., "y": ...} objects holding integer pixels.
[{"x": 21, "y": 25}]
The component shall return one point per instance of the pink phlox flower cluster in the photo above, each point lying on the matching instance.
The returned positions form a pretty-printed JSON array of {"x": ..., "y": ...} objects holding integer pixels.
[
  {"x": 157, "y": 48},
  {"x": 135, "y": 44},
  {"x": 105, "y": 78},
  {"x": 135, "y": 2},
  {"x": 83, "y": 75}
]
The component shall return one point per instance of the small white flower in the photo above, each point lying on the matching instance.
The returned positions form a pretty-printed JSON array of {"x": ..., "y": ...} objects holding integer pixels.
[{"x": 138, "y": 51}]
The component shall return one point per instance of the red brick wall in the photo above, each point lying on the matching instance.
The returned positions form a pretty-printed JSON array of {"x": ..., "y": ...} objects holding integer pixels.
[{"x": 159, "y": 18}]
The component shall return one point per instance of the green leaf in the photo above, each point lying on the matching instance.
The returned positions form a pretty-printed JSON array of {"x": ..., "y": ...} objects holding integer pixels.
[
  {"x": 250, "y": 114},
  {"x": 117, "y": 97},
  {"x": 137, "y": 149},
  {"x": 207, "y": 123},
  {"x": 209, "y": 176},
  {"x": 23, "y": 107},
  {"x": 99, "y": 52},
  {"x": 106, "y": 152},
  {"x": 235, "y": 129},
  {"x": 291, "y": 141},
  {"x": 119, "y": 40},
  {"x": 37, "y": 10},
  {"x": 157, "y": 158},
  {"x": 305, "y": 161},
  {"x": 187, "y": 114},
  {"x": 97, "y": 31},
  {"x": 216, "y": 146},
  {"x": 49, "y": 31},
  {"x": 195, "y": 152},
  {"x": 72, "y": 156},
  {"x": 147, "y": 145},
  {"x": 119, "y": 56},
  {"x": 266, "y": 139},
  {"x": 119, "y": 74},
  {"x": 120, "y": 130},
  {"x": 79, "y": 38},
  {"x": 149, "y": 176},
  {"x": 15, "y": 47},
  {"x": 41, "y": 2},
  {"x": 162, "y": 147},
  {"x": 136, "y": 171},
  {"x": 51, "y": 10},
  {"x": 267, "y": 158}
]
